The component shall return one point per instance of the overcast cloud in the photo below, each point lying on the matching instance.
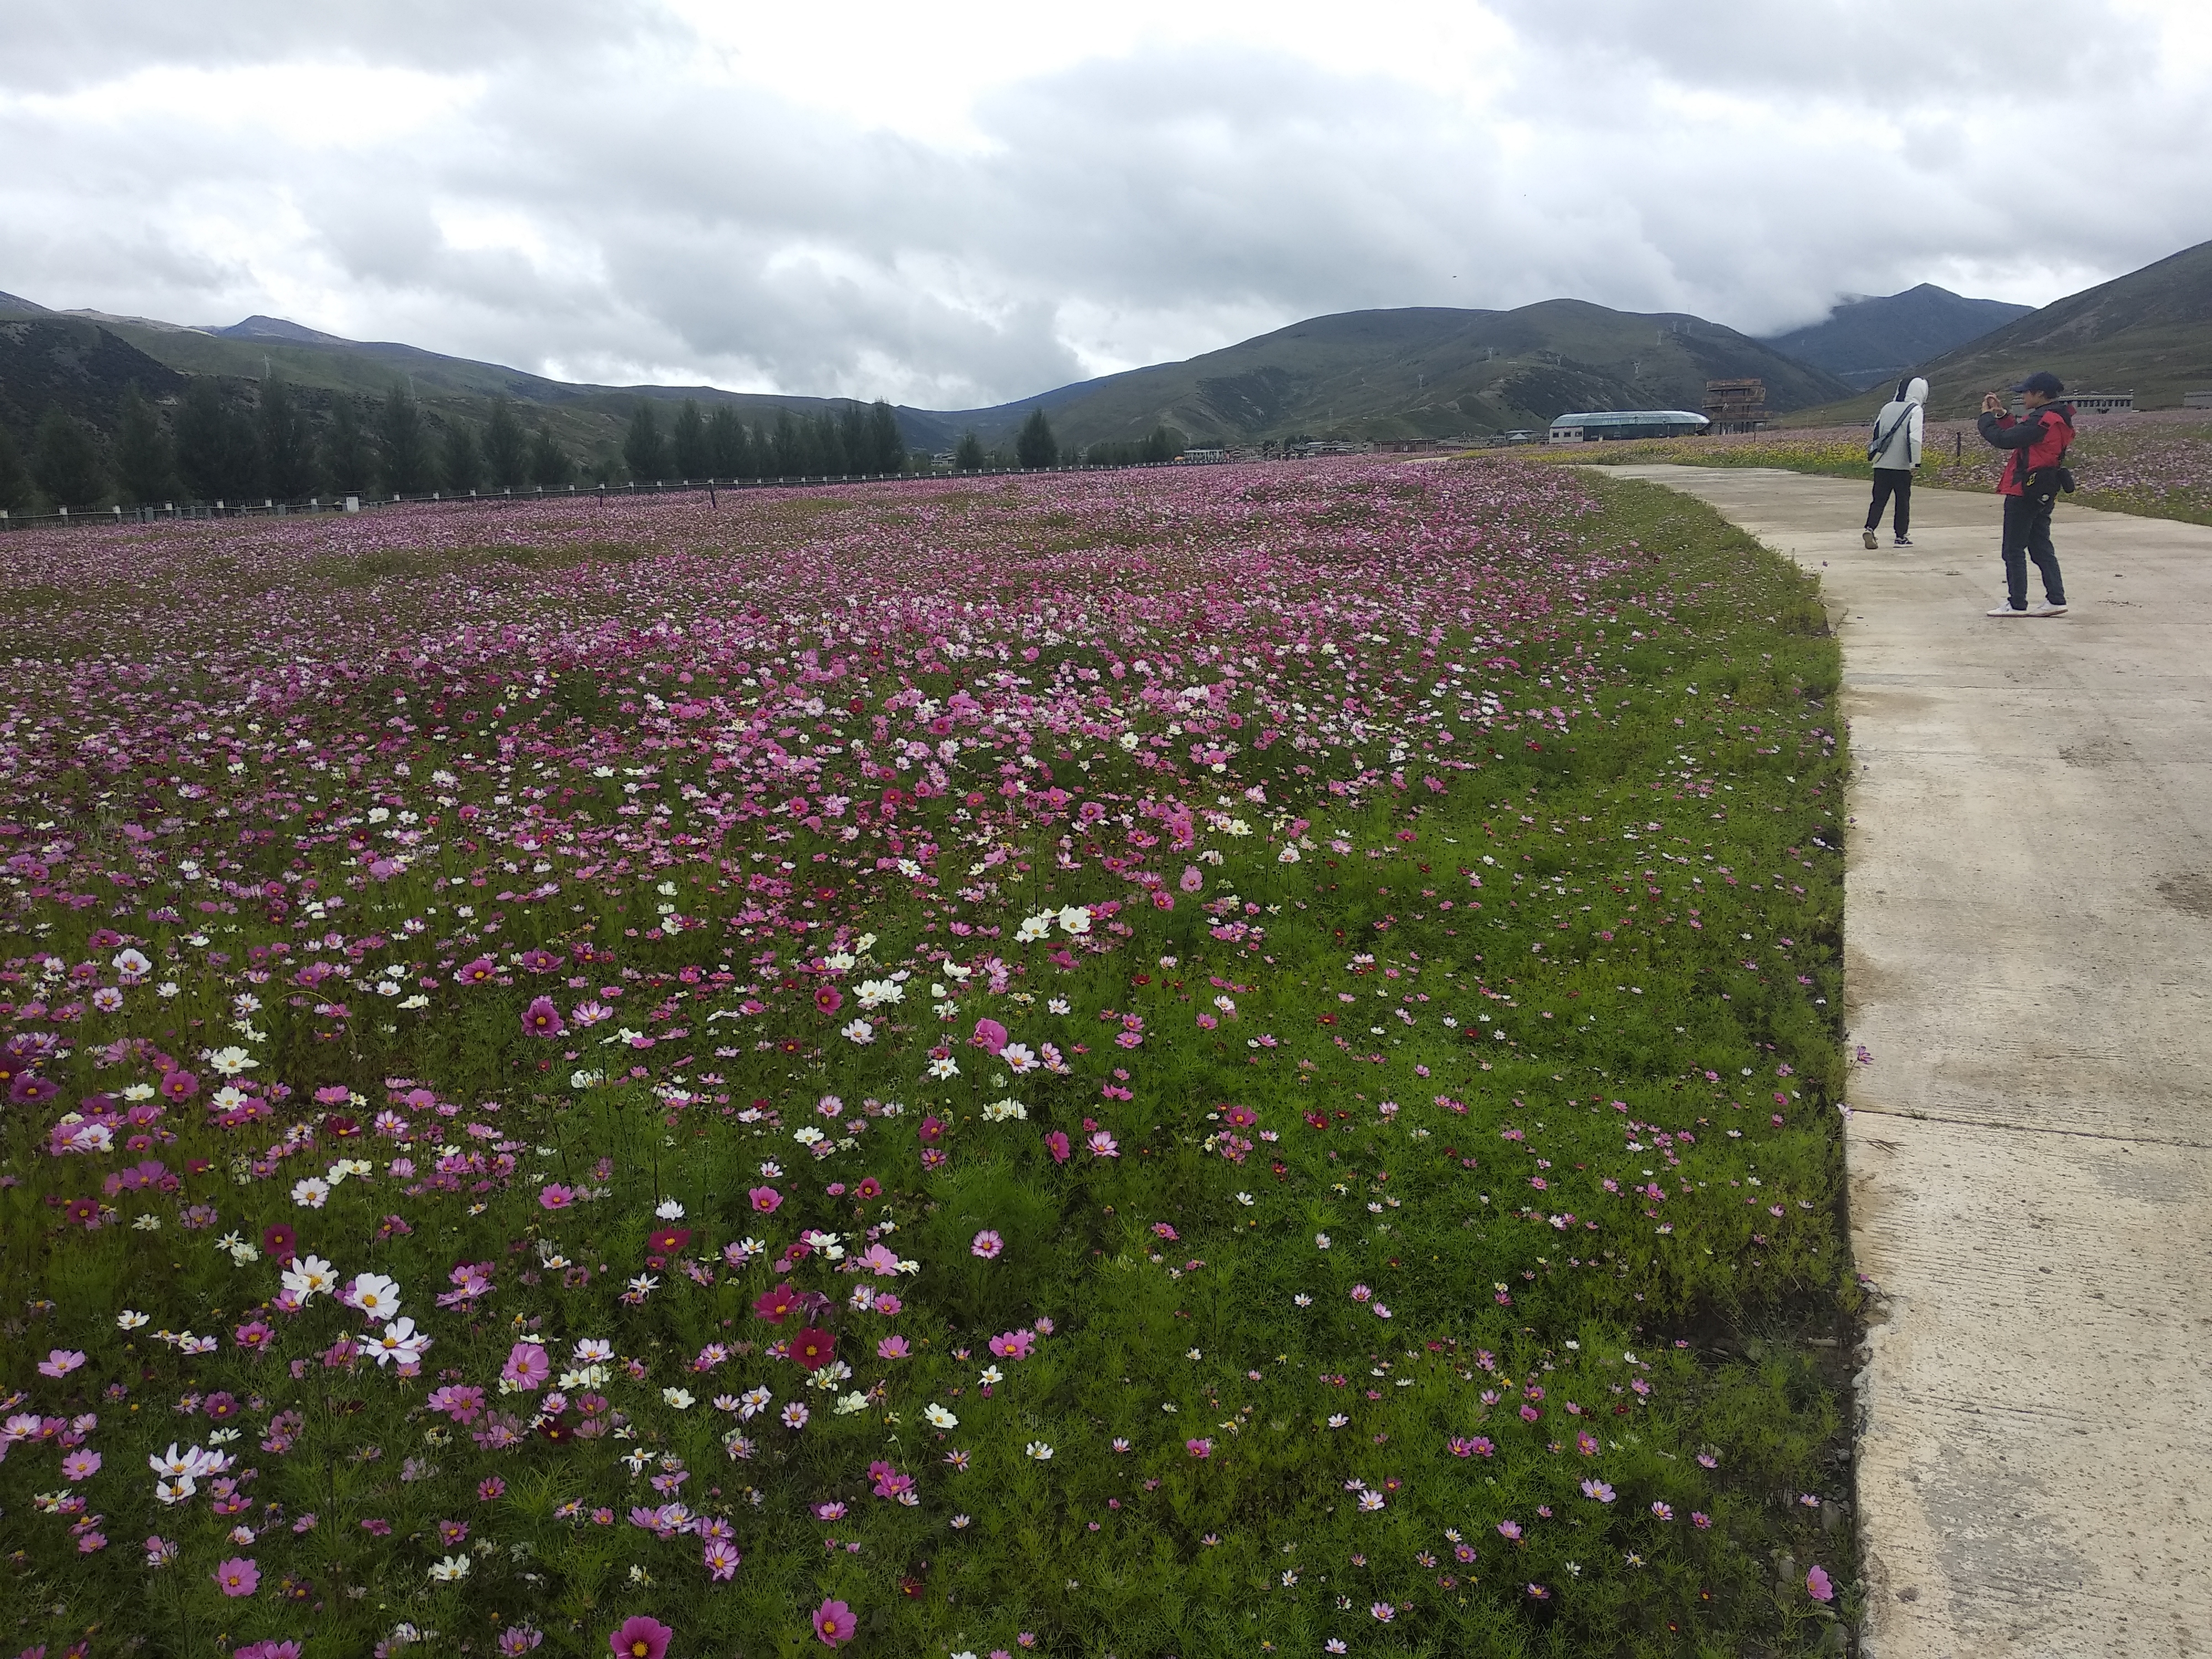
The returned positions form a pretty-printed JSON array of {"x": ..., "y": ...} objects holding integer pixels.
[{"x": 886, "y": 200}]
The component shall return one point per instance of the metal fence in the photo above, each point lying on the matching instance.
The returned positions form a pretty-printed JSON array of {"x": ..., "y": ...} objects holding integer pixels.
[{"x": 269, "y": 507}]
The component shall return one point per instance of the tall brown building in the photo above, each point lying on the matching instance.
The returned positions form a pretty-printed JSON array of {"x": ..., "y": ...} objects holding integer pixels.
[{"x": 1735, "y": 405}]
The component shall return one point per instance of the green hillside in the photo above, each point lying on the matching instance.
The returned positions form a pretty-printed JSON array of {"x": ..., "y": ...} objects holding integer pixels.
[
  {"x": 589, "y": 420},
  {"x": 1419, "y": 372},
  {"x": 2149, "y": 332}
]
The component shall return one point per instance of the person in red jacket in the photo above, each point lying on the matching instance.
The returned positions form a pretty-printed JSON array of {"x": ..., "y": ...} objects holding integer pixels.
[{"x": 2038, "y": 441}]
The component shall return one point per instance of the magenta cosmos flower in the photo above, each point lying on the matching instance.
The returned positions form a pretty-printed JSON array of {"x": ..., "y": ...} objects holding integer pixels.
[
  {"x": 541, "y": 1018},
  {"x": 238, "y": 1577},
  {"x": 527, "y": 1366},
  {"x": 641, "y": 1638},
  {"x": 987, "y": 1245},
  {"x": 834, "y": 1624}
]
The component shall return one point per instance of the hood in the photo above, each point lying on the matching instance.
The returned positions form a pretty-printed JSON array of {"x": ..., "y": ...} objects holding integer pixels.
[{"x": 1914, "y": 391}]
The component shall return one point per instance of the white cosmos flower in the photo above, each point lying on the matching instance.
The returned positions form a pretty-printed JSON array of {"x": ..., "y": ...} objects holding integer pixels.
[
  {"x": 312, "y": 1192},
  {"x": 938, "y": 1418},
  {"x": 859, "y": 1031},
  {"x": 1035, "y": 928},
  {"x": 451, "y": 1570},
  {"x": 376, "y": 1296},
  {"x": 999, "y": 1110},
  {"x": 944, "y": 1068},
  {"x": 232, "y": 1060},
  {"x": 1039, "y": 1451},
  {"x": 1017, "y": 1057},
  {"x": 132, "y": 965},
  {"x": 1074, "y": 920},
  {"x": 681, "y": 1399},
  {"x": 309, "y": 1277},
  {"x": 130, "y": 1319},
  {"x": 874, "y": 992},
  {"x": 400, "y": 1341}
]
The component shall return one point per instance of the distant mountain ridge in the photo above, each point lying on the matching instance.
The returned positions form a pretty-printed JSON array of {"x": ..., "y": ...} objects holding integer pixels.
[
  {"x": 1866, "y": 340},
  {"x": 2149, "y": 332},
  {"x": 1409, "y": 373}
]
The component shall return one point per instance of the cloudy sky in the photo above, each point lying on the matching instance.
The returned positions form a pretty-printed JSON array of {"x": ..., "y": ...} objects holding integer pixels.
[{"x": 955, "y": 206}]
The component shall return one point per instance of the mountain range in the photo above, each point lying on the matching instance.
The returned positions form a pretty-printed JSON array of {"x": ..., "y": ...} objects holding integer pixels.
[
  {"x": 2149, "y": 332},
  {"x": 1417, "y": 372},
  {"x": 1865, "y": 342}
]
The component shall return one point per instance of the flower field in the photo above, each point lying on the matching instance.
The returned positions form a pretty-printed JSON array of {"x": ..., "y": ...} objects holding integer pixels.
[
  {"x": 2157, "y": 463},
  {"x": 1219, "y": 1063}
]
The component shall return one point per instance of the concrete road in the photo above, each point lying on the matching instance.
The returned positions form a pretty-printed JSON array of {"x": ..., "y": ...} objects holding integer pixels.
[{"x": 2028, "y": 923}]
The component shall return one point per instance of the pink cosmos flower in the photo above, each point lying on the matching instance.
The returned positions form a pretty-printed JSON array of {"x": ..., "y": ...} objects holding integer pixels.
[
  {"x": 541, "y": 1018},
  {"x": 833, "y": 1622},
  {"x": 527, "y": 1366},
  {"x": 238, "y": 1577},
  {"x": 554, "y": 1196},
  {"x": 1102, "y": 1143},
  {"x": 765, "y": 1199},
  {"x": 987, "y": 1245},
  {"x": 1013, "y": 1345},
  {"x": 1200, "y": 1448},
  {"x": 829, "y": 1000},
  {"x": 892, "y": 1348},
  {"x": 990, "y": 1036},
  {"x": 1056, "y": 1143},
  {"x": 720, "y": 1559},
  {"x": 1819, "y": 1585},
  {"x": 60, "y": 1362},
  {"x": 640, "y": 1639}
]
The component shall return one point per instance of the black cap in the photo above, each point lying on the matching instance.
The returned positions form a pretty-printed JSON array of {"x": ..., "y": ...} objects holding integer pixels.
[{"x": 2044, "y": 381}]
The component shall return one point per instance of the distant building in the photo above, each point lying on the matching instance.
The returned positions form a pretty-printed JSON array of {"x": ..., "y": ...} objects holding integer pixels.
[
  {"x": 1736, "y": 405},
  {"x": 1329, "y": 446},
  {"x": 2102, "y": 403},
  {"x": 2196, "y": 400},
  {"x": 1204, "y": 457},
  {"x": 1599, "y": 425}
]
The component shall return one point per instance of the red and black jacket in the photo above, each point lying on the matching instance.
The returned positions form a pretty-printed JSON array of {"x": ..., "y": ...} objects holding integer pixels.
[{"x": 2038, "y": 443}]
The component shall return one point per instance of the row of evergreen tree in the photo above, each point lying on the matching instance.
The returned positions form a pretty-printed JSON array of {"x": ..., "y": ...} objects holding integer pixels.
[{"x": 213, "y": 448}]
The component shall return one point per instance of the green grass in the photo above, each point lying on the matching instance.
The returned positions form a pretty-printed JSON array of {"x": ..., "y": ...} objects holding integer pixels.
[{"x": 1636, "y": 930}]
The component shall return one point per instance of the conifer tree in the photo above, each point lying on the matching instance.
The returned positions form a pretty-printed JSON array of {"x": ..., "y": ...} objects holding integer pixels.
[
  {"x": 729, "y": 451},
  {"x": 1036, "y": 446},
  {"x": 887, "y": 445},
  {"x": 145, "y": 464},
  {"x": 66, "y": 462},
  {"x": 347, "y": 456},
  {"x": 969, "y": 457},
  {"x": 549, "y": 466},
  {"x": 404, "y": 440},
  {"x": 16, "y": 493},
  {"x": 830, "y": 442},
  {"x": 218, "y": 450},
  {"x": 785, "y": 449},
  {"x": 506, "y": 447},
  {"x": 288, "y": 444},
  {"x": 688, "y": 442},
  {"x": 644, "y": 449},
  {"x": 461, "y": 463},
  {"x": 855, "y": 449}
]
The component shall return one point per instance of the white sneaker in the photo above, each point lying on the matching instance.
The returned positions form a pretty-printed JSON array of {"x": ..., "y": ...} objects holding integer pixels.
[
  {"x": 2004, "y": 611},
  {"x": 1866, "y": 536},
  {"x": 2046, "y": 609}
]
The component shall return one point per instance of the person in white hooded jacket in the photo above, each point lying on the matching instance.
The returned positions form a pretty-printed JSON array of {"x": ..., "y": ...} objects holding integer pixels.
[{"x": 1895, "y": 451}]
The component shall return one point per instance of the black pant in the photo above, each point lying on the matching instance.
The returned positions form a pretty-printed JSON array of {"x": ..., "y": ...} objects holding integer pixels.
[
  {"x": 2027, "y": 536},
  {"x": 1891, "y": 481}
]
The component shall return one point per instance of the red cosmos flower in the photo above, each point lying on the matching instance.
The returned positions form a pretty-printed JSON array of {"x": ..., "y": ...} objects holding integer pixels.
[
  {"x": 669, "y": 1240},
  {"x": 829, "y": 1000},
  {"x": 280, "y": 1242},
  {"x": 932, "y": 1131},
  {"x": 83, "y": 1211},
  {"x": 869, "y": 1187},
  {"x": 342, "y": 1128},
  {"x": 776, "y": 1305},
  {"x": 813, "y": 1348},
  {"x": 641, "y": 1638}
]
